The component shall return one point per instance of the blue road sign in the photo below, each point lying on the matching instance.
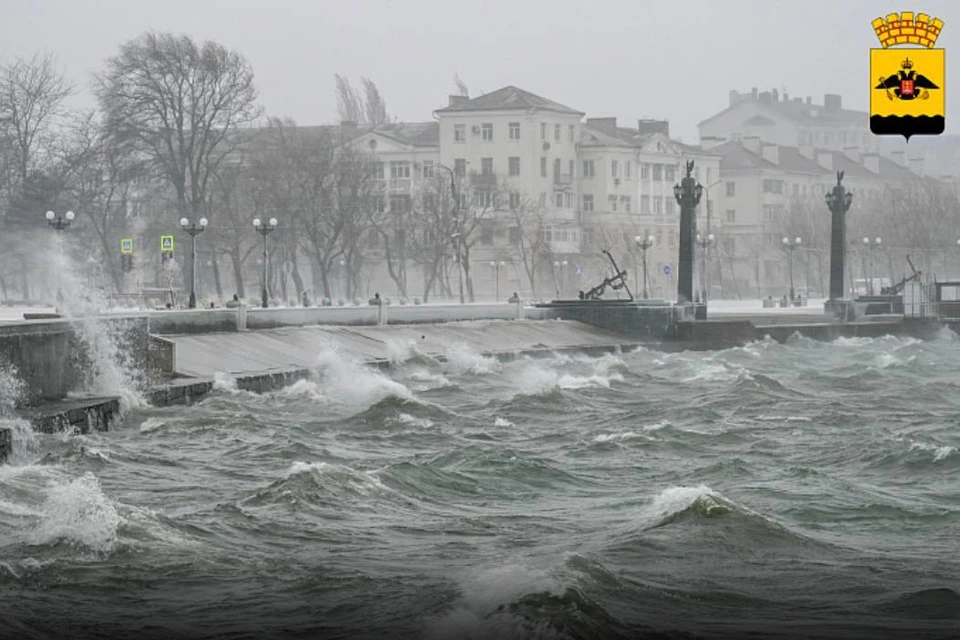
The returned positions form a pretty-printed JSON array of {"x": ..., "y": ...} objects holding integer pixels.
[
  {"x": 666, "y": 269},
  {"x": 579, "y": 271}
]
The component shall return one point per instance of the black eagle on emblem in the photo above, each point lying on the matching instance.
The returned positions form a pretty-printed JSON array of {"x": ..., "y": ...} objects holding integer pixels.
[{"x": 907, "y": 84}]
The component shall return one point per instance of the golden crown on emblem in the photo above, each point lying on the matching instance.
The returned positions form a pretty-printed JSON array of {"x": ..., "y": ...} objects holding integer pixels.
[{"x": 904, "y": 28}]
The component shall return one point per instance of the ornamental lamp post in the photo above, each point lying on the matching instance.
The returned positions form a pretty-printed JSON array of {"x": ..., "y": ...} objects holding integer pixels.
[
  {"x": 703, "y": 243},
  {"x": 644, "y": 244},
  {"x": 194, "y": 229},
  {"x": 497, "y": 268},
  {"x": 264, "y": 230},
  {"x": 869, "y": 246},
  {"x": 59, "y": 223},
  {"x": 343, "y": 278},
  {"x": 560, "y": 267},
  {"x": 791, "y": 246}
]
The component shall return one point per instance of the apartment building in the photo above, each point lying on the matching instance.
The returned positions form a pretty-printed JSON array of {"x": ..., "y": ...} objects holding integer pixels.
[{"x": 770, "y": 191}]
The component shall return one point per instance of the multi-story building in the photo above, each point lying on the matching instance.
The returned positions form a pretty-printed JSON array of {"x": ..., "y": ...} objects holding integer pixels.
[{"x": 773, "y": 191}]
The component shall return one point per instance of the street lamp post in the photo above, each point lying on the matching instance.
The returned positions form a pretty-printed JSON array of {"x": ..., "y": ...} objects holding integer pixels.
[
  {"x": 343, "y": 278},
  {"x": 560, "y": 266},
  {"x": 59, "y": 223},
  {"x": 497, "y": 268},
  {"x": 264, "y": 230},
  {"x": 458, "y": 235},
  {"x": 194, "y": 230},
  {"x": 791, "y": 246},
  {"x": 869, "y": 245},
  {"x": 644, "y": 244},
  {"x": 703, "y": 243}
]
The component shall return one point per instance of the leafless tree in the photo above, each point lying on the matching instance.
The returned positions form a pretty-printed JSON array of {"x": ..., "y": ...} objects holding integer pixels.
[
  {"x": 181, "y": 103},
  {"x": 528, "y": 223},
  {"x": 366, "y": 107}
]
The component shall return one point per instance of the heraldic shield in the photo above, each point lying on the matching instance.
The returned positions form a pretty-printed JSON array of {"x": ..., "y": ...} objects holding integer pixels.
[{"x": 907, "y": 95}]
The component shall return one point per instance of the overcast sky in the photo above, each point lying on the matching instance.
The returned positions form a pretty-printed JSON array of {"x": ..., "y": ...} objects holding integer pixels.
[{"x": 626, "y": 58}]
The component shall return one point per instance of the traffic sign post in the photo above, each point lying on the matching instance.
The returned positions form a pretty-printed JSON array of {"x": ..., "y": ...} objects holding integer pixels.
[
  {"x": 166, "y": 244},
  {"x": 666, "y": 270},
  {"x": 126, "y": 246}
]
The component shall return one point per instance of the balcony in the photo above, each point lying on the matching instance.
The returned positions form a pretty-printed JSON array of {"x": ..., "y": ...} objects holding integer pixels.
[
  {"x": 483, "y": 180},
  {"x": 564, "y": 246},
  {"x": 401, "y": 185},
  {"x": 562, "y": 180}
]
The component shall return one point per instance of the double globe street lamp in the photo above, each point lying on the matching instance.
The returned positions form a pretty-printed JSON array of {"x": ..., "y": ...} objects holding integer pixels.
[
  {"x": 59, "y": 223},
  {"x": 560, "y": 266},
  {"x": 791, "y": 246},
  {"x": 497, "y": 268},
  {"x": 644, "y": 244},
  {"x": 264, "y": 230},
  {"x": 703, "y": 243},
  {"x": 868, "y": 246},
  {"x": 194, "y": 229}
]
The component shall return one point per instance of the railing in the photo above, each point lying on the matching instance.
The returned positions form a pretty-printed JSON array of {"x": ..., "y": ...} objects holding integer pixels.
[
  {"x": 563, "y": 179},
  {"x": 400, "y": 184},
  {"x": 483, "y": 179}
]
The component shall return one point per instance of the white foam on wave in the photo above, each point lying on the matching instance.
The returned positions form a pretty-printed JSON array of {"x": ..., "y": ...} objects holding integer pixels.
[
  {"x": 347, "y": 382},
  {"x": 414, "y": 421},
  {"x": 428, "y": 379},
  {"x": 675, "y": 500},
  {"x": 79, "y": 513},
  {"x": 710, "y": 370},
  {"x": 502, "y": 423},
  {"x": 482, "y": 612},
  {"x": 151, "y": 424},
  {"x": 617, "y": 437},
  {"x": 401, "y": 350},
  {"x": 540, "y": 377},
  {"x": 466, "y": 360},
  {"x": 343, "y": 476},
  {"x": 940, "y": 452},
  {"x": 223, "y": 381}
]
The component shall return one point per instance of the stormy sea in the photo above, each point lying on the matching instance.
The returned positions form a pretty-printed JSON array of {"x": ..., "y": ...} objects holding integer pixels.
[{"x": 803, "y": 489}]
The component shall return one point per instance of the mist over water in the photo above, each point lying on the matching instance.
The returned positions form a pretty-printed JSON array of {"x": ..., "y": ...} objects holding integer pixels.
[{"x": 786, "y": 490}]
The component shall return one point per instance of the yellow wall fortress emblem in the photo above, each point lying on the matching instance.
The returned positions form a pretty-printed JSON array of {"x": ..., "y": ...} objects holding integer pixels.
[{"x": 907, "y": 76}]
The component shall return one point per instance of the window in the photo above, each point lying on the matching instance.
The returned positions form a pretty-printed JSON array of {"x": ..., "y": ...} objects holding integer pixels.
[
  {"x": 558, "y": 199},
  {"x": 671, "y": 206},
  {"x": 771, "y": 212},
  {"x": 730, "y": 246},
  {"x": 485, "y": 199},
  {"x": 644, "y": 171},
  {"x": 773, "y": 186},
  {"x": 429, "y": 202},
  {"x": 514, "y": 200},
  {"x": 556, "y": 170},
  {"x": 644, "y": 204},
  {"x": 588, "y": 169},
  {"x": 572, "y": 131},
  {"x": 378, "y": 171},
  {"x": 400, "y": 204},
  {"x": 380, "y": 204},
  {"x": 568, "y": 200},
  {"x": 514, "y": 130},
  {"x": 460, "y": 166},
  {"x": 612, "y": 201},
  {"x": 626, "y": 169},
  {"x": 543, "y": 167},
  {"x": 614, "y": 166},
  {"x": 588, "y": 202},
  {"x": 556, "y": 132},
  {"x": 658, "y": 172},
  {"x": 671, "y": 239},
  {"x": 514, "y": 166},
  {"x": 731, "y": 189},
  {"x": 796, "y": 189},
  {"x": 669, "y": 173},
  {"x": 399, "y": 170},
  {"x": 573, "y": 166},
  {"x": 543, "y": 130},
  {"x": 428, "y": 169},
  {"x": 459, "y": 133},
  {"x": 464, "y": 200},
  {"x": 543, "y": 200},
  {"x": 514, "y": 236},
  {"x": 659, "y": 242},
  {"x": 658, "y": 206},
  {"x": 625, "y": 204},
  {"x": 486, "y": 235},
  {"x": 486, "y": 166},
  {"x": 486, "y": 132},
  {"x": 588, "y": 237}
]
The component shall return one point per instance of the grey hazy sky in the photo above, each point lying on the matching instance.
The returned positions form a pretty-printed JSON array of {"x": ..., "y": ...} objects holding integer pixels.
[{"x": 628, "y": 58}]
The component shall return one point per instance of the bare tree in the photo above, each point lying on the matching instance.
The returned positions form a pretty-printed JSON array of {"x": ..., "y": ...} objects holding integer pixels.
[
  {"x": 181, "y": 104},
  {"x": 461, "y": 86},
  {"x": 528, "y": 226},
  {"x": 374, "y": 104},
  {"x": 350, "y": 107}
]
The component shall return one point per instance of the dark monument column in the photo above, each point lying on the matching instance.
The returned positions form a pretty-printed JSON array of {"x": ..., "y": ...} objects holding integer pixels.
[
  {"x": 838, "y": 201},
  {"x": 688, "y": 194}
]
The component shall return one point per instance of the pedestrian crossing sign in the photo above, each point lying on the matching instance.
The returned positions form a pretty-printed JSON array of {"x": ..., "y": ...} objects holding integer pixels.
[
  {"x": 166, "y": 243},
  {"x": 126, "y": 246}
]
